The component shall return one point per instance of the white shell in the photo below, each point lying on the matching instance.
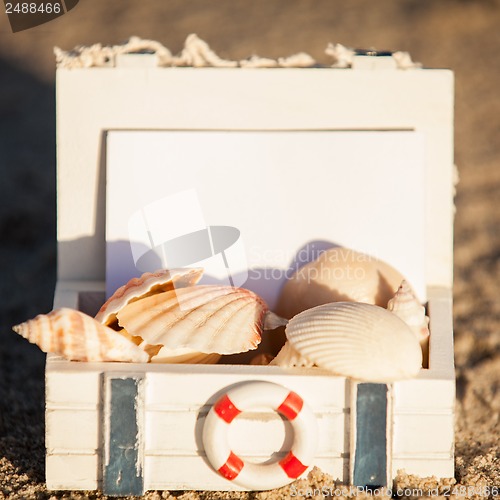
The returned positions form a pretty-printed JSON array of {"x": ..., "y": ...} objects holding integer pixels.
[
  {"x": 79, "y": 337},
  {"x": 288, "y": 357},
  {"x": 339, "y": 274},
  {"x": 361, "y": 341},
  {"x": 148, "y": 284},
  {"x": 207, "y": 319},
  {"x": 406, "y": 306}
]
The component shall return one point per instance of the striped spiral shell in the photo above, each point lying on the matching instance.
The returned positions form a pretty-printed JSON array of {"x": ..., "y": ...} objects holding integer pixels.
[{"x": 79, "y": 337}]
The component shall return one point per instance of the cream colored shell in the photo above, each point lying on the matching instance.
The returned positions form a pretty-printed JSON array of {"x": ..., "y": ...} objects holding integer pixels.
[
  {"x": 406, "y": 306},
  {"x": 361, "y": 341},
  {"x": 289, "y": 357},
  {"x": 339, "y": 274},
  {"x": 79, "y": 337},
  {"x": 206, "y": 318}
]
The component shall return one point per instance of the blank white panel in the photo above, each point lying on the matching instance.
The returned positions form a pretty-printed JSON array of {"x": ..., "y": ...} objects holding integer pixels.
[
  {"x": 424, "y": 434},
  {"x": 71, "y": 472},
  {"x": 61, "y": 425},
  {"x": 425, "y": 466},
  {"x": 194, "y": 473},
  {"x": 182, "y": 389},
  {"x": 284, "y": 191}
]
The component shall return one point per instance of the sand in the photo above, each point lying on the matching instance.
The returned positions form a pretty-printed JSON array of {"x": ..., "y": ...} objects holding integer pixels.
[{"x": 458, "y": 34}]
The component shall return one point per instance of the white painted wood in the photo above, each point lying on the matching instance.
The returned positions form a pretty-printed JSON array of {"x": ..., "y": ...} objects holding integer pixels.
[
  {"x": 72, "y": 427},
  {"x": 174, "y": 385},
  {"x": 71, "y": 472},
  {"x": 163, "y": 99},
  {"x": 441, "y": 324},
  {"x": 193, "y": 473},
  {"x": 370, "y": 63},
  {"x": 62, "y": 378},
  {"x": 167, "y": 433},
  {"x": 421, "y": 433},
  {"x": 425, "y": 466}
]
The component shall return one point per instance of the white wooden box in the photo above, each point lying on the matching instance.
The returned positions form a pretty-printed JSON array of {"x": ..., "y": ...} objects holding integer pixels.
[{"x": 174, "y": 399}]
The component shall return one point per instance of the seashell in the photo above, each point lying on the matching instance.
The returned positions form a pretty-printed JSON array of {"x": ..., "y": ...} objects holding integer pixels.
[
  {"x": 406, "y": 306},
  {"x": 361, "y": 341},
  {"x": 184, "y": 356},
  {"x": 339, "y": 274},
  {"x": 206, "y": 318},
  {"x": 290, "y": 358},
  {"x": 148, "y": 284},
  {"x": 79, "y": 337}
]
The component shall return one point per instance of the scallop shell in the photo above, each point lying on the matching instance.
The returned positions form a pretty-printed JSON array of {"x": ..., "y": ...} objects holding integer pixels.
[
  {"x": 205, "y": 318},
  {"x": 339, "y": 274},
  {"x": 148, "y": 284},
  {"x": 184, "y": 356},
  {"x": 361, "y": 341},
  {"x": 79, "y": 337},
  {"x": 406, "y": 306}
]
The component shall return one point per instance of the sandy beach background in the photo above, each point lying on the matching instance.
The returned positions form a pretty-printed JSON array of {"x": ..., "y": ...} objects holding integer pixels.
[{"x": 463, "y": 35}]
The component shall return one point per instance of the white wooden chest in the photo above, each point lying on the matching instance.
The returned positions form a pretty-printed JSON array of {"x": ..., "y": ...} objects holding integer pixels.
[{"x": 171, "y": 401}]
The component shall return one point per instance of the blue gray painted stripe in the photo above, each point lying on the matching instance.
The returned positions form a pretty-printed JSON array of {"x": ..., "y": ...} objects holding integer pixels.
[
  {"x": 370, "y": 461},
  {"x": 123, "y": 472}
]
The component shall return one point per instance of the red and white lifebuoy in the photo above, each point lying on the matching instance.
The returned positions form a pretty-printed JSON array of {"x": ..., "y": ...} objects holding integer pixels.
[{"x": 260, "y": 476}]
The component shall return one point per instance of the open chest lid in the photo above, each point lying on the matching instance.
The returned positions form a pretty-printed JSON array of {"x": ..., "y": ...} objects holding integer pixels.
[{"x": 269, "y": 166}]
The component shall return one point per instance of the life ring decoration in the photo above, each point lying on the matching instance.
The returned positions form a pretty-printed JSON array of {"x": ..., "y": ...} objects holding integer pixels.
[{"x": 260, "y": 476}]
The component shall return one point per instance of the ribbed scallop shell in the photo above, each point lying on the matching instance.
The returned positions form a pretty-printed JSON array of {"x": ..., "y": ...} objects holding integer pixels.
[
  {"x": 339, "y": 274},
  {"x": 361, "y": 341},
  {"x": 148, "y": 284},
  {"x": 205, "y": 318},
  {"x": 79, "y": 337},
  {"x": 184, "y": 356}
]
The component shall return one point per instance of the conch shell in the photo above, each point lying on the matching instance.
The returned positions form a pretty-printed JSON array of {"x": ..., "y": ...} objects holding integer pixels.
[
  {"x": 205, "y": 318},
  {"x": 79, "y": 337},
  {"x": 406, "y": 306},
  {"x": 361, "y": 341},
  {"x": 339, "y": 274}
]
